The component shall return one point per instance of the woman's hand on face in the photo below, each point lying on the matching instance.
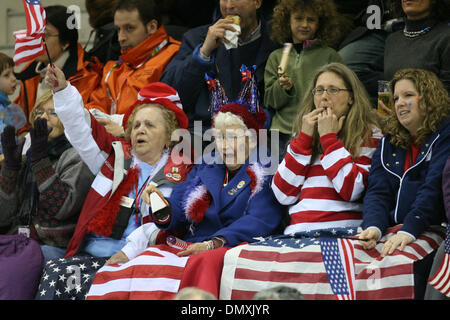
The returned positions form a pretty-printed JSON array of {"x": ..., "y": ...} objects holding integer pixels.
[
  {"x": 327, "y": 122},
  {"x": 194, "y": 248},
  {"x": 400, "y": 239},
  {"x": 309, "y": 121},
  {"x": 55, "y": 78}
]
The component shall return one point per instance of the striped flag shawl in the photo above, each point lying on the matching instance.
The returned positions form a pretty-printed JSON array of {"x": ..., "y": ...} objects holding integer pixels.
[{"x": 197, "y": 198}]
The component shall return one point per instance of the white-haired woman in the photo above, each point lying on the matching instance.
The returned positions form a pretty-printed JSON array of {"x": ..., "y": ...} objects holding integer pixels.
[{"x": 222, "y": 203}]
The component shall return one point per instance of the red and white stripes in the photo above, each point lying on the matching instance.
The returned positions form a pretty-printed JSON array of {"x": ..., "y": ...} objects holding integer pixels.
[
  {"x": 29, "y": 43},
  {"x": 327, "y": 192}
]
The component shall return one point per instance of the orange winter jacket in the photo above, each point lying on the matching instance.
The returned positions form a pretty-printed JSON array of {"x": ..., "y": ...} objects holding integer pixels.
[
  {"x": 139, "y": 66},
  {"x": 83, "y": 72}
]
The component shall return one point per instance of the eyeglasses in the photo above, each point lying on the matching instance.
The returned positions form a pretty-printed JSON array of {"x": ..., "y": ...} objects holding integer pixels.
[
  {"x": 46, "y": 35},
  {"x": 332, "y": 91},
  {"x": 50, "y": 113}
]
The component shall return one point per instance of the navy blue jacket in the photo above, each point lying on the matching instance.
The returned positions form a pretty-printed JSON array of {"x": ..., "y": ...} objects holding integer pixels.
[
  {"x": 235, "y": 212},
  {"x": 186, "y": 72},
  {"x": 446, "y": 188},
  {"x": 412, "y": 198}
]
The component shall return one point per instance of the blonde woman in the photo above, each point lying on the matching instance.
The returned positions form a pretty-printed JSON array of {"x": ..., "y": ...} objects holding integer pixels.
[
  {"x": 324, "y": 173},
  {"x": 46, "y": 191}
]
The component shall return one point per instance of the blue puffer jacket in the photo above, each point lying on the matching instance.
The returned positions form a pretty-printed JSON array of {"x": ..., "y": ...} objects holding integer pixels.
[
  {"x": 6, "y": 117},
  {"x": 413, "y": 198}
]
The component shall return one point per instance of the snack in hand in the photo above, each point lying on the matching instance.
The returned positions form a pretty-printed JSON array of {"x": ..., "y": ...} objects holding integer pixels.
[{"x": 235, "y": 18}]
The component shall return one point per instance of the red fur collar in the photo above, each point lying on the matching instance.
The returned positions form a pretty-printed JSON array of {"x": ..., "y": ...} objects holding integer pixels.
[{"x": 104, "y": 220}]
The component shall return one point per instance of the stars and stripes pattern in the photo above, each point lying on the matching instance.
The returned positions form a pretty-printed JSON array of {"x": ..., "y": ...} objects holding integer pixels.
[
  {"x": 297, "y": 260},
  {"x": 337, "y": 256},
  {"x": 35, "y": 16},
  {"x": 29, "y": 43},
  {"x": 155, "y": 274},
  {"x": 325, "y": 192},
  {"x": 441, "y": 279},
  {"x": 68, "y": 278}
]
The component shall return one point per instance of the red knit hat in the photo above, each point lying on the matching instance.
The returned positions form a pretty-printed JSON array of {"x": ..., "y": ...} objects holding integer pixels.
[
  {"x": 251, "y": 120},
  {"x": 162, "y": 94}
]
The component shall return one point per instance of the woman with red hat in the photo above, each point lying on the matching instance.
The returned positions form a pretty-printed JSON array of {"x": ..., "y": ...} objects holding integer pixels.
[
  {"x": 123, "y": 166},
  {"x": 224, "y": 201}
]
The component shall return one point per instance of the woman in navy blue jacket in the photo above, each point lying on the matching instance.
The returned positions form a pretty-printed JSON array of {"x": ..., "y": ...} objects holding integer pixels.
[
  {"x": 222, "y": 203},
  {"x": 229, "y": 201},
  {"x": 405, "y": 182}
]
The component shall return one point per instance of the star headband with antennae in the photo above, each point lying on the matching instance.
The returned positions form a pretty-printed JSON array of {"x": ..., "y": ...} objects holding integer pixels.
[
  {"x": 247, "y": 104},
  {"x": 249, "y": 92},
  {"x": 248, "y": 96},
  {"x": 218, "y": 96}
]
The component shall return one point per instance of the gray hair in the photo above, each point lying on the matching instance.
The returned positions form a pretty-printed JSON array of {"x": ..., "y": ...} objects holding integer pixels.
[
  {"x": 193, "y": 293},
  {"x": 279, "y": 293},
  {"x": 225, "y": 119}
]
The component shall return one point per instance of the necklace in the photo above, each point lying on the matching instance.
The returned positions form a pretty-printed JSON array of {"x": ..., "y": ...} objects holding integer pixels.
[{"x": 414, "y": 34}]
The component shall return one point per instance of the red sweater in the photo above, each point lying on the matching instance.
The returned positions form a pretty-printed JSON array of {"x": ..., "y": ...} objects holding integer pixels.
[{"x": 328, "y": 192}]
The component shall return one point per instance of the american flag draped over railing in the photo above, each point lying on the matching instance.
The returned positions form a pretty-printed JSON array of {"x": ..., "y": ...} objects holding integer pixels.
[
  {"x": 297, "y": 260},
  {"x": 29, "y": 43},
  {"x": 441, "y": 279}
]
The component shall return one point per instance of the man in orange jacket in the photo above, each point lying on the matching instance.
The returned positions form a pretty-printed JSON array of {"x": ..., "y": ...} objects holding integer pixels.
[{"x": 146, "y": 50}]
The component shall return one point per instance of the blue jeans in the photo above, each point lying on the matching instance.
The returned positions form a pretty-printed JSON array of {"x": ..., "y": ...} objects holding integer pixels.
[
  {"x": 365, "y": 57},
  {"x": 51, "y": 253}
]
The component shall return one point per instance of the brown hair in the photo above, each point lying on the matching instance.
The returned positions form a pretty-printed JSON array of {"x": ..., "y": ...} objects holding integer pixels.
[
  {"x": 329, "y": 27},
  {"x": 100, "y": 12},
  {"x": 359, "y": 120},
  {"x": 5, "y": 62},
  {"x": 147, "y": 9},
  {"x": 170, "y": 123},
  {"x": 434, "y": 102}
]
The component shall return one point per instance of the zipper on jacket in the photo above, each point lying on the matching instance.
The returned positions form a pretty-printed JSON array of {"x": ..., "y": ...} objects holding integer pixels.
[
  {"x": 401, "y": 179},
  {"x": 393, "y": 173},
  {"x": 77, "y": 78}
]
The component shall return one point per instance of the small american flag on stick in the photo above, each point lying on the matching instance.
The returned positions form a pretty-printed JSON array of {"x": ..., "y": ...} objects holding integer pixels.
[{"x": 29, "y": 43}]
